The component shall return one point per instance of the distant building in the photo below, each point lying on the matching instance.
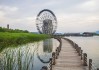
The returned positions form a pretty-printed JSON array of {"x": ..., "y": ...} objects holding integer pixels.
[
  {"x": 72, "y": 34},
  {"x": 88, "y": 34},
  {"x": 7, "y": 26}
]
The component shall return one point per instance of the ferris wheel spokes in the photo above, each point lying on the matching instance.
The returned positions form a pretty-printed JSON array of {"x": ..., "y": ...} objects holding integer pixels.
[{"x": 46, "y": 22}]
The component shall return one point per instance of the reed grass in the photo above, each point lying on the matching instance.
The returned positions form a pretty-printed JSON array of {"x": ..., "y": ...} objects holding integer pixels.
[
  {"x": 16, "y": 59},
  {"x": 7, "y": 39}
]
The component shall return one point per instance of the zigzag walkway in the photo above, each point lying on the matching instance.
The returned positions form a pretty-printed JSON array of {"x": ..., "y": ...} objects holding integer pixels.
[{"x": 68, "y": 58}]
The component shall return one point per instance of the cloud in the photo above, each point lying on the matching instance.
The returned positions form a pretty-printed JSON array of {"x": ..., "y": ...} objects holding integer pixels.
[
  {"x": 26, "y": 23},
  {"x": 8, "y": 8},
  {"x": 72, "y": 15},
  {"x": 77, "y": 22},
  {"x": 2, "y": 13},
  {"x": 89, "y": 7}
]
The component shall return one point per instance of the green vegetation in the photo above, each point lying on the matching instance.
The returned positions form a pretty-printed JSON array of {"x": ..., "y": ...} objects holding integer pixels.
[
  {"x": 7, "y": 39},
  {"x": 12, "y": 30},
  {"x": 18, "y": 59},
  {"x": 97, "y": 34}
]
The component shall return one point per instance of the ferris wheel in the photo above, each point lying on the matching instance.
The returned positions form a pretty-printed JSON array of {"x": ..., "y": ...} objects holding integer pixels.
[{"x": 46, "y": 22}]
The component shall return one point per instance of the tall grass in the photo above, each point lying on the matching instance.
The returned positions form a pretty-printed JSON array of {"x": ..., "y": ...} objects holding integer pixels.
[
  {"x": 7, "y": 39},
  {"x": 20, "y": 58}
]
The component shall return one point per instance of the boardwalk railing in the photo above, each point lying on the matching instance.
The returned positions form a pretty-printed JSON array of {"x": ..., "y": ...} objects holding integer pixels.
[
  {"x": 84, "y": 59},
  {"x": 83, "y": 56},
  {"x": 79, "y": 51}
]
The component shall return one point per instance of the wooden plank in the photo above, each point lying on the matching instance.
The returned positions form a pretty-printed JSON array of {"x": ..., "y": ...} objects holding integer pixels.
[{"x": 68, "y": 58}]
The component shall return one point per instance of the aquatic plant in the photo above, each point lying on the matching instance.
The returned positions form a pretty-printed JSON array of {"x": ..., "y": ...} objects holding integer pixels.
[
  {"x": 18, "y": 59},
  {"x": 7, "y": 39}
]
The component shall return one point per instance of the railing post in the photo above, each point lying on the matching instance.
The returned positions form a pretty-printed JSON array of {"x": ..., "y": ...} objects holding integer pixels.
[
  {"x": 53, "y": 58},
  {"x": 50, "y": 63},
  {"x": 73, "y": 45},
  {"x": 59, "y": 49},
  {"x": 81, "y": 54},
  {"x": 90, "y": 64},
  {"x": 79, "y": 51},
  {"x": 85, "y": 59},
  {"x": 60, "y": 44},
  {"x": 76, "y": 47},
  {"x": 57, "y": 52}
]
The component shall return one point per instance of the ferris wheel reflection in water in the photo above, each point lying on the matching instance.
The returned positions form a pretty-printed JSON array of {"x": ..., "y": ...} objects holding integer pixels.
[{"x": 46, "y": 51}]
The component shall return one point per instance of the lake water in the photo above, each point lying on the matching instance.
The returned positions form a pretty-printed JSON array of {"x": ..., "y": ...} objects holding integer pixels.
[
  {"x": 31, "y": 56},
  {"x": 89, "y": 45}
]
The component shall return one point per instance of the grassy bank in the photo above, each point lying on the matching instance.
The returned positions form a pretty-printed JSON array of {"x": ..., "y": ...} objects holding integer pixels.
[{"x": 7, "y": 39}]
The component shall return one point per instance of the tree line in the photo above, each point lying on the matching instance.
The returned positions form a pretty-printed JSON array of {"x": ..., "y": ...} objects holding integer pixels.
[{"x": 12, "y": 30}]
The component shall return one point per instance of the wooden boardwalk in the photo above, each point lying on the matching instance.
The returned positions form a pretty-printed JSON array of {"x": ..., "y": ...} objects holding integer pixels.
[{"x": 68, "y": 58}]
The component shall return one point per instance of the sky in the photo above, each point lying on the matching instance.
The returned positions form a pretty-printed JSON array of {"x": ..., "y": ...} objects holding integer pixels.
[{"x": 72, "y": 15}]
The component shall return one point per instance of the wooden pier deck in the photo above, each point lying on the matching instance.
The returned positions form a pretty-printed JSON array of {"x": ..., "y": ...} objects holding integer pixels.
[{"x": 68, "y": 58}]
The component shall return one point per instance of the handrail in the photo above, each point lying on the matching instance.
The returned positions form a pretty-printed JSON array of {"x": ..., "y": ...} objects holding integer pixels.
[
  {"x": 79, "y": 51},
  {"x": 83, "y": 55}
]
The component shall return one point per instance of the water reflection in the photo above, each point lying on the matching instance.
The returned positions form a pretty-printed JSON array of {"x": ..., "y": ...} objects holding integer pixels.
[
  {"x": 46, "y": 52},
  {"x": 47, "y": 45},
  {"x": 31, "y": 56}
]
